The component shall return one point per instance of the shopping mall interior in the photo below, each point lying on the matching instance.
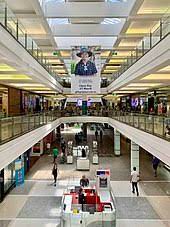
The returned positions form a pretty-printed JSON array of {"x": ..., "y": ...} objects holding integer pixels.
[{"x": 84, "y": 113}]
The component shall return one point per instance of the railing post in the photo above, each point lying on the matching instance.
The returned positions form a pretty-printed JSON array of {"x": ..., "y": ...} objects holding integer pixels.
[
  {"x": 32, "y": 47},
  {"x": 34, "y": 116},
  {"x": 161, "y": 29},
  {"x": 17, "y": 30},
  {"x": 145, "y": 123},
  {"x": 163, "y": 129},
  {"x": 25, "y": 40},
  {"x": 153, "y": 125},
  {"x": 12, "y": 126},
  {"x": 21, "y": 124},
  {"x": 143, "y": 47},
  {"x": 6, "y": 16},
  {"x": 29, "y": 122},
  {"x": 150, "y": 40}
]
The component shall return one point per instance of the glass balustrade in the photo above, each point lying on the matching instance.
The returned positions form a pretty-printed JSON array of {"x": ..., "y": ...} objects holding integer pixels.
[
  {"x": 157, "y": 33},
  {"x": 12, "y": 127}
]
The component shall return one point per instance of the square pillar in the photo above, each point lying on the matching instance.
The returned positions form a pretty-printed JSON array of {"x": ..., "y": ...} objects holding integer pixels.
[
  {"x": 134, "y": 156},
  {"x": 116, "y": 143}
]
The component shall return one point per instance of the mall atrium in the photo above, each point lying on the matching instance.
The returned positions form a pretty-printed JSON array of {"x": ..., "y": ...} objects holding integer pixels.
[{"x": 84, "y": 113}]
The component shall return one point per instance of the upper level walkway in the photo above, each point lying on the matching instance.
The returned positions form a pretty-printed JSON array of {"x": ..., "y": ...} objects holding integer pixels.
[{"x": 19, "y": 133}]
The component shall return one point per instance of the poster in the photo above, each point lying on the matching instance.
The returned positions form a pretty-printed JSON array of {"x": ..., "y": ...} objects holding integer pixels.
[
  {"x": 85, "y": 70},
  {"x": 19, "y": 172}
]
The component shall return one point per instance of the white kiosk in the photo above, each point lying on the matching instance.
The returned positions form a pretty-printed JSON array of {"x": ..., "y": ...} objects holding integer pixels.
[{"x": 98, "y": 208}]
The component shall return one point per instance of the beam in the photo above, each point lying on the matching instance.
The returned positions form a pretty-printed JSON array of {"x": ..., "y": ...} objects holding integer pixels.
[
  {"x": 88, "y": 9},
  {"x": 87, "y": 30}
]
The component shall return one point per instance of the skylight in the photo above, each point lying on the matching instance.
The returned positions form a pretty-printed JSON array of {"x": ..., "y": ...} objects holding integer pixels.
[
  {"x": 54, "y": 21},
  {"x": 111, "y": 21}
]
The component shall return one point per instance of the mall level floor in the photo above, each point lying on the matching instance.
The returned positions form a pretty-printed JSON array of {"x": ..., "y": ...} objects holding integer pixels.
[{"x": 37, "y": 203}]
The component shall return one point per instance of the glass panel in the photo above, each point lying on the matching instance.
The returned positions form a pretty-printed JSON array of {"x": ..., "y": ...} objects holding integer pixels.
[
  {"x": 37, "y": 120},
  {"x": 21, "y": 36},
  {"x": 149, "y": 123},
  {"x": 6, "y": 128},
  {"x": 167, "y": 128},
  {"x": 142, "y": 122},
  {"x": 25, "y": 123},
  {"x": 17, "y": 125},
  {"x": 31, "y": 122},
  {"x": 136, "y": 121},
  {"x": 2, "y": 13},
  {"x": 158, "y": 126}
]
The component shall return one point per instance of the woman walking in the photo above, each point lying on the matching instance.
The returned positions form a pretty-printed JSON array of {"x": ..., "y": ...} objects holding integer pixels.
[{"x": 55, "y": 173}]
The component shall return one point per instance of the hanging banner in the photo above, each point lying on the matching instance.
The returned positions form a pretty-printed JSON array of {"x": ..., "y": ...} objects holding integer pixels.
[{"x": 85, "y": 70}]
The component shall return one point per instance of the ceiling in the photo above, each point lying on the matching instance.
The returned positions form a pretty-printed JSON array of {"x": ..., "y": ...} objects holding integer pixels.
[{"x": 118, "y": 26}]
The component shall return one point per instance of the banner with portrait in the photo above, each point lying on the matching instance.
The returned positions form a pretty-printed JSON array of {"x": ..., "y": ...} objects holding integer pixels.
[{"x": 85, "y": 70}]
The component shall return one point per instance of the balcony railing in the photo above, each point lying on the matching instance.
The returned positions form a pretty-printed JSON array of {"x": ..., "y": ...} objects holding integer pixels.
[
  {"x": 158, "y": 32},
  {"x": 9, "y": 21},
  {"x": 12, "y": 127}
]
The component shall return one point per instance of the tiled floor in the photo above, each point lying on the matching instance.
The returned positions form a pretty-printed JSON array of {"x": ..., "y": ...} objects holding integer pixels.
[{"x": 37, "y": 203}]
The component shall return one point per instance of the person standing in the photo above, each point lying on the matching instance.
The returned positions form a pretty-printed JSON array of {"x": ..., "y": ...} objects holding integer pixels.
[
  {"x": 84, "y": 182},
  {"x": 155, "y": 163},
  {"x": 134, "y": 180},
  {"x": 55, "y": 172},
  {"x": 96, "y": 134},
  {"x": 101, "y": 135}
]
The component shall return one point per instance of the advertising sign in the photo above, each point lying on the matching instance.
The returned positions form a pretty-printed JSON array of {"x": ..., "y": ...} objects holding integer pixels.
[
  {"x": 19, "y": 172},
  {"x": 85, "y": 70}
]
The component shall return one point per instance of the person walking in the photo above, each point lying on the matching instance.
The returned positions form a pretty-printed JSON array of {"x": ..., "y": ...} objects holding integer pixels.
[
  {"x": 55, "y": 153},
  {"x": 134, "y": 180},
  {"x": 155, "y": 164},
  {"x": 96, "y": 134},
  {"x": 55, "y": 172}
]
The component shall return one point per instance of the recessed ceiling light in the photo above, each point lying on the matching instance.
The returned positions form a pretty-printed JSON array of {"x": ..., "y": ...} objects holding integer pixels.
[{"x": 14, "y": 77}]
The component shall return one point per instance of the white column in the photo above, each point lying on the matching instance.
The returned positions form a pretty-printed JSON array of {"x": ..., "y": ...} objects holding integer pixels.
[
  {"x": 116, "y": 142},
  {"x": 134, "y": 156},
  {"x": 168, "y": 106}
]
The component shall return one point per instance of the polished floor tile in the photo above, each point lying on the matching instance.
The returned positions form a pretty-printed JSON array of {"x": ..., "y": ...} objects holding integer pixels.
[
  {"x": 124, "y": 189},
  {"x": 23, "y": 189},
  {"x": 161, "y": 205},
  {"x": 11, "y": 206},
  {"x": 35, "y": 223},
  {"x": 134, "y": 208},
  {"x": 156, "y": 188},
  {"x": 41, "y": 207},
  {"x": 142, "y": 223},
  {"x": 47, "y": 188}
]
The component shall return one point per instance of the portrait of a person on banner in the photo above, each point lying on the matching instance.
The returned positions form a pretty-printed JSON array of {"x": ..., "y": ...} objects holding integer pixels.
[{"x": 85, "y": 67}]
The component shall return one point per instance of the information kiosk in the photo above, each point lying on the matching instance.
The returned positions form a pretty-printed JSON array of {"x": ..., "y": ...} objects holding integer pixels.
[{"x": 90, "y": 206}]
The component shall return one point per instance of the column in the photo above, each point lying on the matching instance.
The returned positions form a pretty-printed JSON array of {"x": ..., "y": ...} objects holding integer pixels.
[
  {"x": 41, "y": 147},
  {"x": 116, "y": 143},
  {"x": 84, "y": 105},
  {"x": 84, "y": 128},
  {"x": 134, "y": 156}
]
